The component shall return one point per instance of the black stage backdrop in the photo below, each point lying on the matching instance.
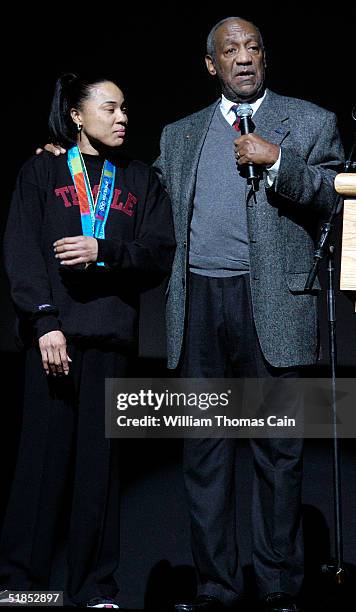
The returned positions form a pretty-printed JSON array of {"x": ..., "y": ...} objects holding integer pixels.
[{"x": 157, "y": 53}]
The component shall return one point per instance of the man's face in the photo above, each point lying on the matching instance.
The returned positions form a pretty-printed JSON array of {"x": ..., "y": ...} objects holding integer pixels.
[{"x": 239, "y": 61}]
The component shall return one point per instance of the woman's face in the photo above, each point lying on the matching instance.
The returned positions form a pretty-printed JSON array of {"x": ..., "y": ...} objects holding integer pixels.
[{"x": 103, "y": 115}]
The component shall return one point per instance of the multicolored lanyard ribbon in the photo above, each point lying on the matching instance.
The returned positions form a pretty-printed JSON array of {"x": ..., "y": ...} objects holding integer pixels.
[{"x": 93, "y": 213}]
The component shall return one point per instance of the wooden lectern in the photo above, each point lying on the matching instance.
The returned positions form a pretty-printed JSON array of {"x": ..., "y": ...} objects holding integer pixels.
[{"x": 345, "y": 185}]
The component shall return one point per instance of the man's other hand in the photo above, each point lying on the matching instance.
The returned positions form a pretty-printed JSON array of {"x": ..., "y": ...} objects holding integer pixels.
[{"x": 52, "y": 148}]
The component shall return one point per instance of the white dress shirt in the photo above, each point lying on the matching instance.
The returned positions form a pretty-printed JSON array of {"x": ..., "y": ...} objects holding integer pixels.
[{"x": 230, "y": 116}]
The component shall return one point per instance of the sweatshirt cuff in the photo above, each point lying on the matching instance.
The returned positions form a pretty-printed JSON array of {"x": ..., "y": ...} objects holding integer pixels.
[
  {"x": 45, "y": 324},
  {"x": 109, "y": 251}
]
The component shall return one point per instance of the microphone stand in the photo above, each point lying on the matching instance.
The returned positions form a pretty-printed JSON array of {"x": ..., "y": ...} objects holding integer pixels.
[
  {"x": 337, "y": 568},
  {"x": 323, "y": 246}
]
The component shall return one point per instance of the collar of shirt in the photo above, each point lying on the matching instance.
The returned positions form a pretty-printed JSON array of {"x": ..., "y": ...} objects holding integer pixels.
[{"x": 229, "y": 115}]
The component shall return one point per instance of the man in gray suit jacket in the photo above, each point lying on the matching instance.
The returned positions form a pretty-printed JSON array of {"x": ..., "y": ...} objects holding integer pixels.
[{"x": 236, "y": 304}]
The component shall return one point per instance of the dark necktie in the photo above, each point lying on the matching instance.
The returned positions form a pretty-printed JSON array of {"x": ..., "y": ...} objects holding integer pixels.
[{"x": 236, "y": 123}]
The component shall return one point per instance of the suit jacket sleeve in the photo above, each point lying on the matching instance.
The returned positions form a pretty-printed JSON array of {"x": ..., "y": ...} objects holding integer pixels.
[
  {"x": 159, "y": 165},
  {"x": 309, "y": 180}
]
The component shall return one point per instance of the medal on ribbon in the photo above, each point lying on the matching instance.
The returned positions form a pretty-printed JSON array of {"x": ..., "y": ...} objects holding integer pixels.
[{"x": 93, "y": 213}]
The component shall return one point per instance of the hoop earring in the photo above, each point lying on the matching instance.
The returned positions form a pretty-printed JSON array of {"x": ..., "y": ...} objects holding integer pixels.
[{"x": 79, "y": 128}]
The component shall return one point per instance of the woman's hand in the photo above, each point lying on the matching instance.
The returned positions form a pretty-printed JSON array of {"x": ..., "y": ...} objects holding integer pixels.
[
  {"x": 76, "y": 250},
  {"x": 53, "y": 347}
]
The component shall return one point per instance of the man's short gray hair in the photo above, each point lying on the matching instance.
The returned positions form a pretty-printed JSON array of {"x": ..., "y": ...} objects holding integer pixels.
[{"x": 210, "y": 42}]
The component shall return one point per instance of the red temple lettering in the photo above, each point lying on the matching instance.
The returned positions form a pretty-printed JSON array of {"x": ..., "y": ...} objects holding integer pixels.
[
  {"x": 130, "y": 203},
  {"x": 61, "y": 192},
  {"x": 114, "y": 203}
]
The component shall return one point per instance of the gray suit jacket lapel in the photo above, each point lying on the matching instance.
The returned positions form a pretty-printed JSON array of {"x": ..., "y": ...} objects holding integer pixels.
[
  {"x": 271, "y": 123},
  {"x": 272, "y": 119},
  {"x": 194, "y": 137}
]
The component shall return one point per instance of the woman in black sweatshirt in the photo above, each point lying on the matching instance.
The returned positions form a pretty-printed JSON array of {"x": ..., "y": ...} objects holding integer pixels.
[{"x": 86, "y": 234}]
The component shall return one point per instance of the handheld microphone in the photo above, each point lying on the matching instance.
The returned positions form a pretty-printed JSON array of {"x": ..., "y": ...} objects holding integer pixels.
[{"x": 245, "y": 112}]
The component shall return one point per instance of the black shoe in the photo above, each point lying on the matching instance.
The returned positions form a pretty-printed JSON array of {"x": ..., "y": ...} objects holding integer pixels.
[
  {"x": 203, "y": 603},
  {"x": 280, "y": 602}
]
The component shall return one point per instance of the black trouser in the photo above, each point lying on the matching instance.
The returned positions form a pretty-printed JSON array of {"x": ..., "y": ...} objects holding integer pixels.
[
  {"x": 63, "y": 446},
  {"x": 221, "y": 341}
]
